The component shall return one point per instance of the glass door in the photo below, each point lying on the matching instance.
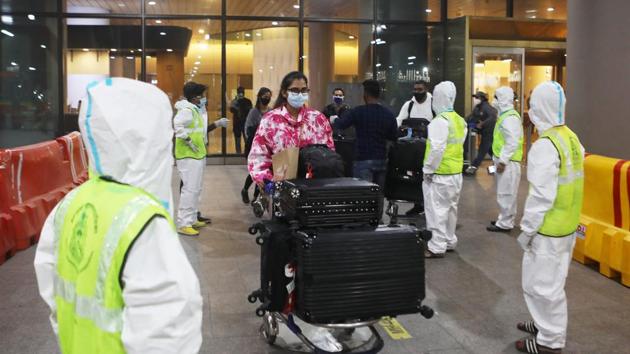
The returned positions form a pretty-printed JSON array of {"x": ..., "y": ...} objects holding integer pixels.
[{"x": 494, "y": 67}]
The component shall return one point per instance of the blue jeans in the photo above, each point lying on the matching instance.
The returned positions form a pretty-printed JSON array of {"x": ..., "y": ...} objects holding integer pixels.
[{"x": 371, "y": 170}]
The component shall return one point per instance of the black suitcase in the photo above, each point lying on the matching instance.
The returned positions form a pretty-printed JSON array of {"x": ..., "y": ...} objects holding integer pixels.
[
  {"x": 359, "y": 274},
  {"x": 404, "y": 171},
  {"x": 276, "y": 251},
  {"x": 328, "y": 202}
]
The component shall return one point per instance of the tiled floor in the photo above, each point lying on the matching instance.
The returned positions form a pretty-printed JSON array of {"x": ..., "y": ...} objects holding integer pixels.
[{"x": 475, "y": 291}]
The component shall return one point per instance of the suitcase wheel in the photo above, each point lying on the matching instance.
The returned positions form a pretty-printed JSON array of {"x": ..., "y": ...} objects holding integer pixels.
[
  {"x": 269, "y": 329},
  {"x": 252, "y": 298},
  {"x": 253, "y": 230},
  {"x": 426, "y": 312},
  {"x": 260, "y": 240}
]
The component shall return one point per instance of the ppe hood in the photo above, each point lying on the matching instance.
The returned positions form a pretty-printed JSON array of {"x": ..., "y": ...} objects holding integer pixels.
[
  {"x": 443, "y": 97},
  {"x": 505, "y": 98},
  {"x": 546, "y": 106}
]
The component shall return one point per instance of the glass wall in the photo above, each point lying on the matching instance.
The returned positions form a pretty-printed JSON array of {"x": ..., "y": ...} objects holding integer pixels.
[
  {"x": 51, "y": 49},
  {"x": 29, "y": 88}
]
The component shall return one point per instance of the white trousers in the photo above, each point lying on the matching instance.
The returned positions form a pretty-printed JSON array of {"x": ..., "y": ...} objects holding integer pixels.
[
  {"x": 545, "y": 268},
  {"x": 507, "y": 194},
  {"x": 441, "y": 196},
  {"x": 191, "y": 173}
]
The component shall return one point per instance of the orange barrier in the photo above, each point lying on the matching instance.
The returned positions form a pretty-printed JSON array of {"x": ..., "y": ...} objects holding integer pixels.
[
  {"x": 33, "y": 179},
  {"x": 604, "y": 231}
]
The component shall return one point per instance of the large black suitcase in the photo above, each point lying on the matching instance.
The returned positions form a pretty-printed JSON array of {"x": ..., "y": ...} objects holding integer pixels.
[
  {"x": 404, "y": 172},
  {"x": 359, "y": 274},
  {"x": 329, "y": 202}
]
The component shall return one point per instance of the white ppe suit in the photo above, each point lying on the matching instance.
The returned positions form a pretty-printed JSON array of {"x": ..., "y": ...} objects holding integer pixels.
[
  {"x": 507, "y": 182},
  {"x": 129, "y": 137},
  {"x": 441, "y": 192},
  {"x": 546, "y": 259},
  {"x": 190, "y": 170}
]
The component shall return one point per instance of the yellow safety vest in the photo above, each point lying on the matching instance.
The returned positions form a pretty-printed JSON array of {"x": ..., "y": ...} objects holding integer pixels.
[
  {"x": 95, "y": 225},
  {"x": 453, "y": 159},
  {"x": 196, "y": 134},
  {"x": 564, "y": 216},
  {"x": 498, "y": 141}
]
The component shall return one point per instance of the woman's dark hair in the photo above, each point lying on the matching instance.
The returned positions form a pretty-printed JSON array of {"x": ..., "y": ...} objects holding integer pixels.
[
  {"x": 262, "y": 91},
  {"x": 286, "y": 82}
]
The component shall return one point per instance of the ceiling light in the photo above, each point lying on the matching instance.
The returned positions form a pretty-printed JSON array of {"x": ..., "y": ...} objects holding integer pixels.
[
  {"x": 296, "y": 6},
  {"x": 391, "y": 66},
  {"x": 151, "y": 3},
  {"x": 258, "y": 34},
  {"x": 550, "y": 9},
  {"x": 449, "y": 38},
  {"x": 130, "y": 58},
  {"x": 158, "y": 21},
  {"x": 112, "y": 57},
  {"x": 7, "y": 33},
  {"x": 372, "y": 42},
  {"x": 260, "y": 70},
  {"x": 351, "y": 37},
  {"x": 201, "y": 31},
  {"x": 31, "y": 17},
  {"x": 271, "y": 68},
  {"x": 169, "y": 50},
  {"x": 248, "y": 35},
  {"x": 410, "y": 63},
  {"x": 378, "y": 65},
  {"x": 7, "y": 20},
  {"x": 274, "y": 23},
  {"x": 132, "y": 50},
  {"x": 20, "y": 86},
  {"x": 530, "y": 11},
  {"x": 31, "y": 68},
  {"x": 531, "y": 16},
  {"x": 428, "y": 11},
  {"x": 197, "y": 62},
  {"x": 43, "y": 46},
  {"x": 411, "y": 58},
  {"x": 140, "y": 50},
  {"x": 195, "y": 68},
  {"x": 86, "y": 50},
  {"x": 162, "y": 33},
  {"x": 113, "y": 50},
  {"x": 15, "y": 64}
]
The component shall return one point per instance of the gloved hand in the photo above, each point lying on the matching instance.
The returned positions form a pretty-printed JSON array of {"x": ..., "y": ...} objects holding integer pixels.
[
  {"x": 192, "y": 146},
  {"x": 525, "y": 240},
  {"x": 333, "y": 119},
  {"x": 428, "y": 177},
  {"x": 223, "y": 122}
]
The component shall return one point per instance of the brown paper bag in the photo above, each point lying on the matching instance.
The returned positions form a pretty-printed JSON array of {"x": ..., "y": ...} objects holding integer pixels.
[{"x": 285, "y": 164}]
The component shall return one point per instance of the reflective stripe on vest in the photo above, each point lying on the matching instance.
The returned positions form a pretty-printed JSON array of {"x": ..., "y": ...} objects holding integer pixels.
[
  {"x": 95, "y": 225},
  {"x": 453, "y": 158},
  {"x": 196, "y": 133},
  {"x": 498, "y": 140},
  {"x": 563, "y": 218}
]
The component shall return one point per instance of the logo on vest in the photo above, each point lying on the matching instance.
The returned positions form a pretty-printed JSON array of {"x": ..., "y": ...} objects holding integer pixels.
[{"x": 84, "y": 223}]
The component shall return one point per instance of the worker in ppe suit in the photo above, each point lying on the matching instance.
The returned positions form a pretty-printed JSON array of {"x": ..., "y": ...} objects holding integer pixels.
[
  {"x": 555, "y": 171},
  {"x": 191, "y": 133},
  {"x": 443, "y": 163},
  {"x": 109, "y": 263},
  {"x": 507, "y": 152}
]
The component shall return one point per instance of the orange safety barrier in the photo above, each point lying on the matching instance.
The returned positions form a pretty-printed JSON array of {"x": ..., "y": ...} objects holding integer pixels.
[
  {"x": 604, "y": 231},
  {"x": 75, "y": 152},
  {"x": 33, "y": 179}
]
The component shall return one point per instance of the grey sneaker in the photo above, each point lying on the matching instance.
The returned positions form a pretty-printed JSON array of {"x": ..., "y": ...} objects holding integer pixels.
[{"x": 471, "y": 170}]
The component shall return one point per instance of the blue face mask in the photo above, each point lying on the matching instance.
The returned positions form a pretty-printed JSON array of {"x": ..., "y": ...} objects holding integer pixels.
[
  {"x": 297, "y": 100},
  {"x": 338, "y": 99}
]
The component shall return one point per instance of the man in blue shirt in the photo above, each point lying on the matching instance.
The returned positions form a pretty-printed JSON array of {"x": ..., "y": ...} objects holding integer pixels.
[{"x": 374, "y": 125}]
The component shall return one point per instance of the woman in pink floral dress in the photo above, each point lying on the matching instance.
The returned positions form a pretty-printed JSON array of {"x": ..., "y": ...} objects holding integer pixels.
[{"x": 289, "y": 124}]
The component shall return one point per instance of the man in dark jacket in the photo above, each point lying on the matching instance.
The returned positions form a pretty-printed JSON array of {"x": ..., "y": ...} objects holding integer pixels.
[
  {"x": 483, "y": 118},
  {"x": 336, "y": 109},
  {"x": 239, "y": 107}
]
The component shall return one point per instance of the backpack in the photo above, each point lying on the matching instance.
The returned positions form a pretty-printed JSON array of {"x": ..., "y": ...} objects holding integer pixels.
[{"x": 318, "y": 161}]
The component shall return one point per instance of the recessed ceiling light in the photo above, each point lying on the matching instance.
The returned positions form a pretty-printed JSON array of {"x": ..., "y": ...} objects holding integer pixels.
[
  {"x": 158, "y": 21},
  {"x": 410, "y": 63},
  {"x": 139, "y": 50},
  {"x": 197, "y": 62},
  {"x": 531, "y": 11},
  {"x": 162, "y": 33},
  {"x": 391, "y": 66},
  {"x": 428, "y": 11},
  {"x": 296, "y": 6},
  {"x": 43, "y": 46},
  {"x": 31, "y": 17},
  {"x": 86, "y": 50},
  {"x": 411, "y": 58},
  {"x": 378, "y": 65},
  {"x": 15, "y": 64},
  {"x": 195, "y": 68},
  {"x": 7, "y": 33},
  {"x": 31, "y": 68},
  {"x": 550, "y": 9},
  {"x": 132, "y": 50},
  {"x": 531, "y": 16},
  {"x": 112, "y": 57},
  {"x": 113, "y": 50},
  {"x": 169, "y": 50},
  {"x": 351, "y": 37},
  {"x": 248, "y": 35},
  {"x": 151, "y": 3},
  {"x": 201, "y": 31},
  {"x": 258, "y": 34},
  {"x": 274, "y": 23}
]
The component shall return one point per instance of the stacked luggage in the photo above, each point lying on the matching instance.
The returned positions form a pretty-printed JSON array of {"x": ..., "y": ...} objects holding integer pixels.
[{"x": 325, "y": 259}]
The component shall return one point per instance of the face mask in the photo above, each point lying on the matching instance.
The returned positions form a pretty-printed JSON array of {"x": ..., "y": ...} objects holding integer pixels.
[
  {"x": 265, "y": 100},
  {"x": 420, "y": 96},
  {"x": 203, "y": 102},
  {"x": 338, "y": 99},
  {"x": 476, "y": 101},
  {"x": 240, "y": 95},
  {"x": 297, "y": 100}
]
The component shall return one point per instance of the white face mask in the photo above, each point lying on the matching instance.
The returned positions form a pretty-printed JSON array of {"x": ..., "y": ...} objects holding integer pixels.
[
  {"x": 476, "y": 101},
  {"x": 297, "y": 100}
]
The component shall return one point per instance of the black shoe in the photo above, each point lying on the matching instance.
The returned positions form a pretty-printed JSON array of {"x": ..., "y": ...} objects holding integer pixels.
[
  {"x": 495, "y": 228},
  {"x": 245, "y": 196},
  {"x": 493, "y": 222},
  {"x": 416, "y": 210},
  {"x": 203, "y": 219}
]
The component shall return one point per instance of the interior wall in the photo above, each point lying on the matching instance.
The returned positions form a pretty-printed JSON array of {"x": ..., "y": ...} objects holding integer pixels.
[{"x": 598, "y": 75}]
